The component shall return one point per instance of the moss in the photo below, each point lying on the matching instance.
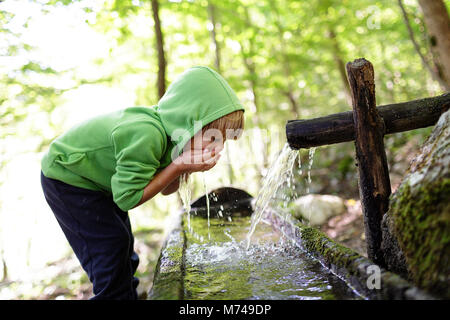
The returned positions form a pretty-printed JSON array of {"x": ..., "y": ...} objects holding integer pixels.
[
  {"x": 422, "y": 228},
  {"x": 168, "y": 280},
  {"x": 334, "y": 253}
]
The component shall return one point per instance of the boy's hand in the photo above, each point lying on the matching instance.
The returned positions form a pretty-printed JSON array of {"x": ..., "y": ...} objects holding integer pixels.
[
  {"x": 189, "y": 161},
  {"x": 195, "y": 160}
]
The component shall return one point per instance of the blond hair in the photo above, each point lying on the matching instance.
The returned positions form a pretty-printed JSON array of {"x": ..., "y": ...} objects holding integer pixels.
[{"x": 231, "y": 123}]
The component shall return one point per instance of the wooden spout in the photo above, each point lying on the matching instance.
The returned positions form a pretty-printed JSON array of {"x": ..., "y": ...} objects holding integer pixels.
[{"x": 340, "y": 127}]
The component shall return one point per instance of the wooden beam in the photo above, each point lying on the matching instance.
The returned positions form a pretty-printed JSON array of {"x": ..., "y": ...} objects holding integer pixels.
[
  {"x": 339, "y": 127},
  {"x": 374, "y": 184}
]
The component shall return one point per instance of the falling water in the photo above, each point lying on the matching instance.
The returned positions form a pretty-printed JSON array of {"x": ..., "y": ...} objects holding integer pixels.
[
  {"x": 279, "y": 172},
  {"x": 207, "y": 199},
  {"x": 310, "y": 163},
  {"x": 300, "y": 171},
  {"x": 185, "y": 195}
]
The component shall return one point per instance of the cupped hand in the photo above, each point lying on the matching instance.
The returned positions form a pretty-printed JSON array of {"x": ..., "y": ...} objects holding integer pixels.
[{"x": 196, "y": 160}]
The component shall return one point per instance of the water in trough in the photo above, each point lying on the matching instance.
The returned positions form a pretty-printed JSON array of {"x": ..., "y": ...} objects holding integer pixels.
[{"x": 218, "y": 265}]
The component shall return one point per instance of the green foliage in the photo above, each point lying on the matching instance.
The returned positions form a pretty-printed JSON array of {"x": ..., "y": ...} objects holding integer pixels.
[{"x": 284, "y": 58}]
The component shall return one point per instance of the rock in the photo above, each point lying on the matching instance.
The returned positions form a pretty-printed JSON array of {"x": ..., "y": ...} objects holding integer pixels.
[
  {"x": 392, "y": 253},
  {"x": 317, "y": 209},
  {"x": 416, "y": 229}
]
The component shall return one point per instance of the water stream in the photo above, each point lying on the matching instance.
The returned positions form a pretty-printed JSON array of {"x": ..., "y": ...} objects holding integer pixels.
[
  {"x": 280, "y": 172},
  {"x": 310, "y": 163},
  {"x": 185, "y": 194},
  {"x": 207, "y": 198}
]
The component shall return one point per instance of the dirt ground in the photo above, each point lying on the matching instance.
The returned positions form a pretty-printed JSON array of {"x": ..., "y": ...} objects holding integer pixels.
[{"x": 348, "y": 228}]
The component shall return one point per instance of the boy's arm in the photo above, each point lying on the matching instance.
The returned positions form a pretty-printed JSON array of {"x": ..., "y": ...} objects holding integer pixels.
[
  {"x": 160, "y": 182},
  {"x": 172, "y": 187},
  {"x": 183, "y": 164}
]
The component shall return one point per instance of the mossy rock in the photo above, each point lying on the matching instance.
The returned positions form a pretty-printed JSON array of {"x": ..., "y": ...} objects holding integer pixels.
[{"x": 416, "y": 230}]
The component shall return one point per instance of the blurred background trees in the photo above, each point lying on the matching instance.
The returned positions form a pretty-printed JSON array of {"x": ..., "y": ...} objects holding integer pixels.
[{"x": 64, "y": 61}]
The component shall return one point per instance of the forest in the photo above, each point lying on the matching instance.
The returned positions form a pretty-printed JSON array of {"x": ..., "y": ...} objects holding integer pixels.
[{"x": 65, "y": 61}]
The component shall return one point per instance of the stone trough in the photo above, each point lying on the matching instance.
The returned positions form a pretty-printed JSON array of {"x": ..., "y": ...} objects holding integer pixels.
[{"x": 206, "y": 259}]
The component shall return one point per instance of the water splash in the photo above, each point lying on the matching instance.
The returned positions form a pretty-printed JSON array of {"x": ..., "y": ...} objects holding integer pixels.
[{"x": 280, "y": 172}]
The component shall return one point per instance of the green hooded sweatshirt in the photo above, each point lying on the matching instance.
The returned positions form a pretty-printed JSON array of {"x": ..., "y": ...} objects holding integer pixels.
[{"x": 119, "y": 152}]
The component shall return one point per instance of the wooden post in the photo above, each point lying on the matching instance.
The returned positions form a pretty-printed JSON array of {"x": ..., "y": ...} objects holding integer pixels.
[{"x": 374, "y": 184}]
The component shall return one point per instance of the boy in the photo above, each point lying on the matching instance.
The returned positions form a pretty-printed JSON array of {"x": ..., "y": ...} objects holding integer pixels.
[{"x": 98, "y": 170}]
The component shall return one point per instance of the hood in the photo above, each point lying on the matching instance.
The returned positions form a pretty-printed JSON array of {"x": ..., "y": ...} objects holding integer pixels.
[{"x": 197, "y": 97}]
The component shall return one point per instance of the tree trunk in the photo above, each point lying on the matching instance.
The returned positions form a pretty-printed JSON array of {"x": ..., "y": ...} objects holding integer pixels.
[
  {"x": 438, "y": 26},
  {"x": 340, "y": 65},
  {"x": 160, "y": 47},
  {"x": 293, "y": 102},
  {"x": 434, "y": 74},
  {"x": 253, "y": 79},
  {"x": 5, "y": 270},
  {"x": 212, "y": 20},
  {"x": 289, "y": 92}
]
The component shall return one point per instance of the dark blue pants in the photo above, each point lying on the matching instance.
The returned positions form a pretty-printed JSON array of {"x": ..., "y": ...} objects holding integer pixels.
[{"x": 99, "y": 233}]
